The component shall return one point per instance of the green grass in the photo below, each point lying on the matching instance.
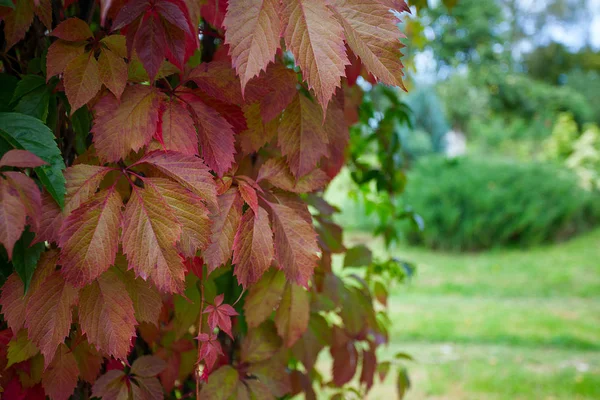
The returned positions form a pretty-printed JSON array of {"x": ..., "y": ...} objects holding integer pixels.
[{"x": 506, "y": 324}]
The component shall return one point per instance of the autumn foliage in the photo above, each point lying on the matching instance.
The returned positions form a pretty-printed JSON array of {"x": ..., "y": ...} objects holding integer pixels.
[{"x": 158, "y": 162}]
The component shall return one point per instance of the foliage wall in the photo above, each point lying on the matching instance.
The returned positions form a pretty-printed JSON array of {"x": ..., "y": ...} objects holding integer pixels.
[{"x": 158, "y": 158}]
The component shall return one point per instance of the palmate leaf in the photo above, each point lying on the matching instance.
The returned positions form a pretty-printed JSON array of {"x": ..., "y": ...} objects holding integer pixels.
[
  {"x": 253, "y": 28},
  {"x": 178, "y": 130},
  {"x": 225, "y": 224},
  {"x": 27, "y": 133},
  {"x": 316, "y": 39},
  {"x": 60, "y": 54},
  {"x": 82, "y": 80}
]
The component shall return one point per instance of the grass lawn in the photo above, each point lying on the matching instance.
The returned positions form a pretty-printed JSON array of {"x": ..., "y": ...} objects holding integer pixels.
[{"x": 505, "y": 324}]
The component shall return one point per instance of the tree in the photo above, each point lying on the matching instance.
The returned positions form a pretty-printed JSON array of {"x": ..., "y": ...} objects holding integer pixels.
[{"x": 158, "y": 158}]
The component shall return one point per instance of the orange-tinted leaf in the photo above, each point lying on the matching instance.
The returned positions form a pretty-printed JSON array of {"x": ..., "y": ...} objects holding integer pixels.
[
  {"x": 292, "y": 315},
  {"x": 48, "y": 314},
  {"x": 116, "y": 44},
  {"x": 150, "y": 232},
  {"x": 126, "y": 125},
  {"x": 316, "y": 39},
  {"x": 178, "y": 131},
  {"x": 248, "y": 192},
  {"x": 372, "y": 33},
  {"x": 82, "y": 80},
  {"x": 17, "y": 22},
  {"x": 89, "y": 361},
  {"x": 225, "y": 224},
  {"x": 82, "y": 182},
  {"x": 189, "y": 171},
  {"x": 189, "y": 211},
  {"x": 302, "y": 135},
  {"x": 277, "y": 172},
  {"x": 263, "y": 297},
  {"x": 253, "y": 28},
  {"x": 60, "y": 377},
  {"x": 295, "y": 244},
  {"x": 282, "y": 82},
  {"x": 12, "y": 216},
  {"x": 111, "y": 386},
  {"x": 60, "y": 54},
  {"x": 252, "y": 247},
  {"x": 147, "y": 302},
  {"x": 257, "y": 133},
  {"x": 219, "y": 315},
  {"x": 215, "y": 135},
  {"x": 106, "y": 315},
  {"x": 21, "y": 159},
  {"x": 72, "y": 30},
  {"x": 113, "y": 72},
  {"x": 89, "y": 238}
]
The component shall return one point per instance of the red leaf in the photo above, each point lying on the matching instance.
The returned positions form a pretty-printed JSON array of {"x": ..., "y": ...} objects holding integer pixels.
[
  {"x": 82, "y": 80},
  {"x": 12, "y": 216},
  {"x": 213, "y": 12},
  {"x": 111, "y": 386},
  {"x": 29, "y": 194},
  {"x": 106, "y": 315},
  {"x": 129, "y": 13},
  {"x": 225, "y": 225},
  {"x": 72, "y": 30},
  {"x": 48, "y": 314},
  {"x": 345, "y": 360},
  {"x": 257, "y": 133},
  {"x": 21, "y": 159},
  {"x": 302, "y": 135},
  {"x": 12, "y": 300},
  {"x": 252, "y": 247},
  {"x": 147, "y": 366},
  {"x": 60, "y": 377},
  {"x": 49, "y": 221},
  {"x": 120, "y": 127},
  {"x": 292, "y": 315},
  {"x": 89, "y": 361},
  {"x": 368, "y": 368},
  {"x": 151, "y": 44},
  {"x": 89, "y": 238},
  {"x": 17, "y": 22},
  {"x": 209, "y": 350},
  {"x": 178, "y": 131},
  {"x": 282, "y": 82},
  {"x": 215, "y": 135},
  {"x": 219, "y": 315},
  {"x": 150, "y": 232},
  {"x": 295, "y": 244},
  {"x": 248, "y": 192},
  {"x": 147, "y": 302},
  {"x": 189, "y": 171}
]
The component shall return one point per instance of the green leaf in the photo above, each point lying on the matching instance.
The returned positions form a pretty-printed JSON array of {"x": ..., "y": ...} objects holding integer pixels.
[
  {"x": 25, "y": 257},
  {"x": 358, "y": 256},
  {"x": 7, "y": 3},
  {"x": 403, "y": 383},
  {"x": 82, "y": 123},
  {"x": 26, "y": 85},
  {"x": 221, "y": 384},
  {"x": 28, "y": 133},
  {"x": 35, "y": 103},
  {"x": 8, "y": 85}
]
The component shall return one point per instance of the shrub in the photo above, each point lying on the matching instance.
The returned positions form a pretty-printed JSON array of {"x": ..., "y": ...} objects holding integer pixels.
[{"x": 472, "y": 204}]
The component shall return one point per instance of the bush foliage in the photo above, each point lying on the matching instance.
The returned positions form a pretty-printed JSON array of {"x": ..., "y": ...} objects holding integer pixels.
[{"x": 473, "y": 204}]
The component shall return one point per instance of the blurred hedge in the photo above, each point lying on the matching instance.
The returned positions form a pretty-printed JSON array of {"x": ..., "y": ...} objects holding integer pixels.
[{"x": 473, "y": 204}]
